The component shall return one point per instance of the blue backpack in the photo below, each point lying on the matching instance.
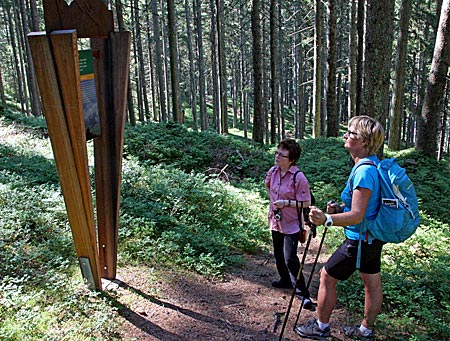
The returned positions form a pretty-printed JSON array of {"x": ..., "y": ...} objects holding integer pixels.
[{"x": 398, "y": 216}]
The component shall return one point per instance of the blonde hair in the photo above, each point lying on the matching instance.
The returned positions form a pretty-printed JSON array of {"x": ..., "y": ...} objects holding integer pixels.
[{"x": 370, "y": 130}]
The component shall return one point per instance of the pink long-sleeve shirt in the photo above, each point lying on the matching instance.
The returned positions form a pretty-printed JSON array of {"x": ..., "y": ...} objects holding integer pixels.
[{"x": 283, "y": 188}]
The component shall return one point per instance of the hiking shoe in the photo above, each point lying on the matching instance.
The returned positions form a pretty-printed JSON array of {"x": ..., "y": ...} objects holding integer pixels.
[
  {"x": 311, "y": 330},
  {"x": 307, "y": 303},
  {"x": 282, "y": 284},
  {"x": 356, "y": 334}
]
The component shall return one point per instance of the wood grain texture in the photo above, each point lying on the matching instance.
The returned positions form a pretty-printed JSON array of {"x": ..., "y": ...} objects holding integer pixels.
[
  {"x": 111, "y": 69},
  {"x": 65, "y": 52},
  {"x": 65, "y": 160},
  {"x": 90, "y": 18}
]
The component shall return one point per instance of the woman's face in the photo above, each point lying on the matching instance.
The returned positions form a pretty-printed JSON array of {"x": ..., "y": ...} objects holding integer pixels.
[
  {"x": 353, "y": 141},
  {"x": 282, "y": 158}
]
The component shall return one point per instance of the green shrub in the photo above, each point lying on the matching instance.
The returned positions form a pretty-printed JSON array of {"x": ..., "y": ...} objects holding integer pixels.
[
  {"x": 225, "y": 157},
  {"x": 190, "y": 220}
]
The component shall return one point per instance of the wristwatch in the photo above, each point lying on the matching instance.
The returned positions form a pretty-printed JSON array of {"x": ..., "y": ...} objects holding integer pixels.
[{"x": 328, "y": 221}]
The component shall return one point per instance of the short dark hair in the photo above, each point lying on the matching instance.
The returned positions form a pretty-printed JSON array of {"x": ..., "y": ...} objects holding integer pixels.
[{"x": 293, "y": 148}]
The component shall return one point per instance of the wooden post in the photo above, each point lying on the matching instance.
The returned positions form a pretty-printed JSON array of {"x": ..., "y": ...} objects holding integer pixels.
[
  {"x": 111, "y": 65},
  {"x": 59, "y": 83},
  {"x": 57, "y": 72}
]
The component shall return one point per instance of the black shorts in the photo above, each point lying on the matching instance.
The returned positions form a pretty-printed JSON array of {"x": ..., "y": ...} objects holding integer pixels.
[{"x": 342, "y": 263}]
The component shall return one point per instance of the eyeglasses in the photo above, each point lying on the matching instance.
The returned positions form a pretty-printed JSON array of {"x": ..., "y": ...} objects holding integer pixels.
[
  {"x": 350, "y": 133},
  {"x": 279, "y": 154}
]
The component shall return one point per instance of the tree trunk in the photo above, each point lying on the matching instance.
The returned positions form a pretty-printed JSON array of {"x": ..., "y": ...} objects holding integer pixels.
[
  {"x": 18, "y": 72},
  {"x": 399, "y": 84},
  {"x": 332, "y": 112},
  {"x": 257, "y": 73},
  {"x": 353, "y": 44},
  {"x": 134, "y": 68},
  {"x": 214, "y": 68},
  {"x": 31, "y": 77},
  {"x": 379, "y": 36},
  {"x": 421, "y": 81},
  {"x": 173, "y": 50},
  {"x": 360, "y": 58},
  {"x": 25, "y": 102},
  {"x": 282, "y": 99},
  {"x": 142, "y": 85},
  {"x": 34, "y": 16},
  {"x": 443, "y": 130},
  {"x": 201, "y": 65},
  {"x": 2, "y": 92},
  {"x": 317, "y": 82},
  {"x": 192, "y": 80},
  {"x": 265, "y": 81},
  {"x": 341, "y": 99},
  {"x": 239, "y": 67},
  {"x": 275, "y": 76},
  {"x": 235, "y": 91},
  {"x": 121, "y": 26},
  {"x": 297, "y": 71},
  {"x": 158, "y": 61},
  {"x": 166, "y": 58},
  {"x": 222, "y": 65},
  {"x": 156, "y": 115},
  {"x": 428, "y": 127}
]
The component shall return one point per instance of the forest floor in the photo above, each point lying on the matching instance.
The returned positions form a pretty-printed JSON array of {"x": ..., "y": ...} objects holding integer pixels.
[{"x": 182, "y": 306}]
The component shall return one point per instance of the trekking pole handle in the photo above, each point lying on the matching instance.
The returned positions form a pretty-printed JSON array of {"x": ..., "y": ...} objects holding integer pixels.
[{"x": 333, "y": 207}]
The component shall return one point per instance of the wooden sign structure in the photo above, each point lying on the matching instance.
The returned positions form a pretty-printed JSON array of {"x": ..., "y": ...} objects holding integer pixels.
[{"x": 56, "y": 63}]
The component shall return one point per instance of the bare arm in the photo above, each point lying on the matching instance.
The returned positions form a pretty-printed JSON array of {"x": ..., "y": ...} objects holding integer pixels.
[{"x": 285, "y": 203}]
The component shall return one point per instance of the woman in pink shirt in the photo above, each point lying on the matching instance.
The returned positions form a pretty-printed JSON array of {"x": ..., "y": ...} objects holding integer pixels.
[{"x": 283, "y": 216}]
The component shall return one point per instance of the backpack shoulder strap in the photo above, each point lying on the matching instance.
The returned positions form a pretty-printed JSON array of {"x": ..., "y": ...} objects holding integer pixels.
[
  {"x": 304, "y": 210},
  {"x": 296, "y": 203},
  {"x": 358, "y": 256},
  {"x": 294, "y": 181},
  {"x": 271, "y": 170},
  {"x": 294, "y": 178},
  {"x": 367, "y": 162}
]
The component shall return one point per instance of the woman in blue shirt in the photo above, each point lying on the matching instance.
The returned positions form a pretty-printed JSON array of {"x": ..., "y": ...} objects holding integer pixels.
[{"x": 361, "y": 198}]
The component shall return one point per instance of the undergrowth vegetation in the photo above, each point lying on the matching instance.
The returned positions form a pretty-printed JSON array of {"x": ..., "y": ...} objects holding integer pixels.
[
  {"x": 195, "y": 200},
  {"x": 173, "y": 217}
]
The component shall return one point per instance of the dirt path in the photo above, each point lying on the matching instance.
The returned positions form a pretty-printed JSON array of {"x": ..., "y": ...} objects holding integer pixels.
[{"x": 185, "y": 306}]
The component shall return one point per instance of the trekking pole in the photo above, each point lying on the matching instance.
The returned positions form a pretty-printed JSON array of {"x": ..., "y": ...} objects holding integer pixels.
[
  {"x": 311, "y": 274},
  {"x": 310, "y": 236}
]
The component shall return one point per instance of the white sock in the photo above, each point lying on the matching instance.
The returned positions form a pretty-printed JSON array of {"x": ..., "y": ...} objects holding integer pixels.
[
  {"x": 365, "y": 330},
  {"x": 322, "y": 325}
]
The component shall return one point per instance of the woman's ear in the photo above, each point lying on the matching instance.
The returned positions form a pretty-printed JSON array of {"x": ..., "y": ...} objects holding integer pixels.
[{"x": 366, "y": 146}]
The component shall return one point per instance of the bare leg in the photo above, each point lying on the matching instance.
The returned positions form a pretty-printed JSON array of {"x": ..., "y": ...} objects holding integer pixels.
[
  {"x": 373, "y": 298},
  {"x": 326, "y": 297}
]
